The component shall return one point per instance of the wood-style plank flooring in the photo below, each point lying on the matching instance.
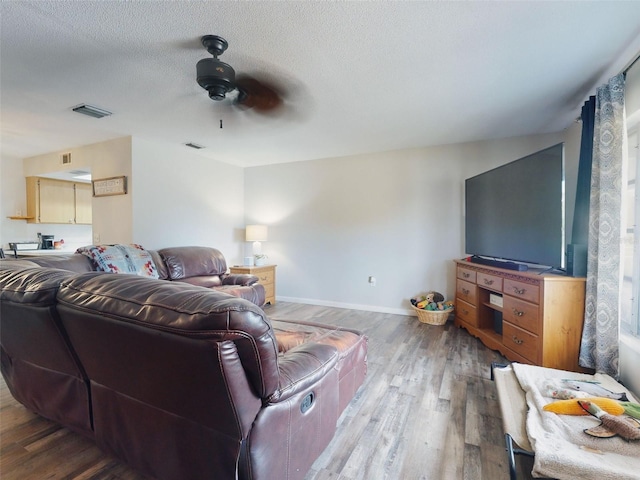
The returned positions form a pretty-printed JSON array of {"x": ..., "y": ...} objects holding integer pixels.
[{"x": 427, "y": 410}]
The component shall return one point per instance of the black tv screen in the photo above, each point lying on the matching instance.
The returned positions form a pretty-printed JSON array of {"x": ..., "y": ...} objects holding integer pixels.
[{"x": 516, "y": 211}]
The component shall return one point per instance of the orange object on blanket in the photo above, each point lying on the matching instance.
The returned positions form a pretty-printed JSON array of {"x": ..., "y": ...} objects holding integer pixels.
[{"x": 572, "y": 407}]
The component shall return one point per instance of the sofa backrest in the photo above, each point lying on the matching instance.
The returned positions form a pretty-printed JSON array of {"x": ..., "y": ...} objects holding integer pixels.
[
  {"x": 16, "y": 264},
  {"x": 39, "y": 364},
  {"x": 186, "y": 262},
  {"x": 174, "y": 263},
  {"x": 161, "y": 268},
  {"x": 74, "y": 262},
  {"x": 189, "y": 361}
]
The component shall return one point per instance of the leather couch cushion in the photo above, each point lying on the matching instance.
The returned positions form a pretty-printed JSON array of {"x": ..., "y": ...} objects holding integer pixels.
[
  {"x": 351, "y": 346},
  {"x": 183, "y": 309},
  {"x": 28, "y": 300},
  {"x": 185, "y": 262},
  {"x": 39, "y": 364},
  {"x": 20, "y": 264},
  {"x": 73, "y": 263},
  {"x": 163, "y": 273}
]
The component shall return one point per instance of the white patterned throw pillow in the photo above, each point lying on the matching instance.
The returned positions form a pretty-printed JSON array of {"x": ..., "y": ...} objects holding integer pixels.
[{"x": 130, "y": 259}]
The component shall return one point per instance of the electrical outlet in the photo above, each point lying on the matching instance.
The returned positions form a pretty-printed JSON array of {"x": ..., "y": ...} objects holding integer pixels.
[
  {"x": 372, "y": 281},
  {"x": 96, "y": 238}
]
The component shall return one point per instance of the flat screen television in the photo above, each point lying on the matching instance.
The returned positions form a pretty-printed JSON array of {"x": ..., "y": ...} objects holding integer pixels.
[{"x": 515, "y": 212}]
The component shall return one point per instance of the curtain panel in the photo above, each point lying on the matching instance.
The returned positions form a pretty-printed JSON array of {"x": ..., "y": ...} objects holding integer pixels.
[
  {"x": 599, "y": 347},
  {"x": 580, "y": 227}
]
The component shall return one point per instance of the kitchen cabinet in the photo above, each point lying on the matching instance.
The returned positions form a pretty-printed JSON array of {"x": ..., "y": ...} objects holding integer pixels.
[
  {"x": 58, "y": 201},
  {"x": 84, "y": 208}
]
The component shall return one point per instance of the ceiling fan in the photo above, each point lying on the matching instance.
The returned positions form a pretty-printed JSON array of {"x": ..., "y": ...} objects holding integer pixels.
[{"x": 219, "y": 79}]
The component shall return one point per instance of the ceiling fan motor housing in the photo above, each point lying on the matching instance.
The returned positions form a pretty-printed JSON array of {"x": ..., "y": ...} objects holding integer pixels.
[{"x": 216, "y": 77}]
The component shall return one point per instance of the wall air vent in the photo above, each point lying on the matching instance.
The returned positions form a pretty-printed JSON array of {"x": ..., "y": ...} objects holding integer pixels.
[
  {"x": 92, "y": 111},
  {"x": 194, "y": 145},
  {"x": 66, "y": 158}
]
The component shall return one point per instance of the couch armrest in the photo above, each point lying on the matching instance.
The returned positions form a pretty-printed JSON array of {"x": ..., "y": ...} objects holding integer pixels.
[
  {"x": 301, "y": 367},
  {"x": 243, "y": 279}
]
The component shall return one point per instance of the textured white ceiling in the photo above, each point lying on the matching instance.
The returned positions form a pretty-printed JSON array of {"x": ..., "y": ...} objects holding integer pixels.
[{"x": 362, "y": 76}]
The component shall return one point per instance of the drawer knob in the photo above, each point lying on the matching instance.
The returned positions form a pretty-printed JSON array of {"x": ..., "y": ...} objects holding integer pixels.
[
  {"x": 517, "y": 341},
  {"x": 517, "y": 313},
  {"x": 518, "y": 291},
  {"x": 465, "y": 311},
  {"x": 488, "y": 282}
]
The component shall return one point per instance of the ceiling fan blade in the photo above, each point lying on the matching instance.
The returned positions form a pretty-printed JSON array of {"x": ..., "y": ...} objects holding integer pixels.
[{"x": 261, "y": 96}]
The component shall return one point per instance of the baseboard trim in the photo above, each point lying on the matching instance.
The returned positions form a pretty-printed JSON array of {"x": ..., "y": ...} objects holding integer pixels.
[{"x": 351, "y": 306}]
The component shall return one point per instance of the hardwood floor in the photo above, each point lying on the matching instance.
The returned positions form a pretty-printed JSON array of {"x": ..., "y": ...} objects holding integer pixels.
[{"x": 428, "y": 410}]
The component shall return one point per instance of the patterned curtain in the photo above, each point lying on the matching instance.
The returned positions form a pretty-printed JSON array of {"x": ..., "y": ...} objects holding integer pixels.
[{"x": 599, "y": 348}]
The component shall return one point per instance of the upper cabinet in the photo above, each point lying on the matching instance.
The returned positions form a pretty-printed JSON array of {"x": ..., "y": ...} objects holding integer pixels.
[
  {"x": 55, "y": 201},
  {"x": 84, "y": 196},
  {"x": 58, "y": 201}
]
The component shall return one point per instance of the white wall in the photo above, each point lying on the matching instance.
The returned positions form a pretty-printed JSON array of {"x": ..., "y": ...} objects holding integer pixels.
[
  {"x": 182, "y": 198},
  {"x": 112, "y": 215},
  {"x": 12, "y": 201},
  {"x": 394, "y": 215}
]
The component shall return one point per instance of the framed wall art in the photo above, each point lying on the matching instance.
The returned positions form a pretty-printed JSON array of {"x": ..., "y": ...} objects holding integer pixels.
[{"x": 109, "y": 186}]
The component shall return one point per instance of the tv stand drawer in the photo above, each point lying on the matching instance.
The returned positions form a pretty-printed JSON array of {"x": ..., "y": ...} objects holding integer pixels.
[
  {"x": 521, "y": 313},
  {"x": 490, "y": 282},
  {"x": 466, "y": 274},
  {"x": 525, "y": 291},
  {"x": 466, "y": 291},
  {"x": 520, "y": 341},
  {"x": 467, "y": 312}
]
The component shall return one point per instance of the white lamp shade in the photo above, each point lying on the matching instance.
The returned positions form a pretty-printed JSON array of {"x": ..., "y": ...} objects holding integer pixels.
[{"x": 256, "y": 233}]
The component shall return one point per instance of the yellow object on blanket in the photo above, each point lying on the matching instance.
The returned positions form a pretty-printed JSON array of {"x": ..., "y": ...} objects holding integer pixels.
[{"x": 572, "y": 407}]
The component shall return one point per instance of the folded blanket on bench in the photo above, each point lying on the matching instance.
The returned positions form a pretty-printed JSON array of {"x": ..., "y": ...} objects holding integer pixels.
[{"x": 562, "y": 449}]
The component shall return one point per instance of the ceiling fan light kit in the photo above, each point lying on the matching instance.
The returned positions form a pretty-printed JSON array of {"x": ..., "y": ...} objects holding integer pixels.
[{"x": 216, "y": 77}]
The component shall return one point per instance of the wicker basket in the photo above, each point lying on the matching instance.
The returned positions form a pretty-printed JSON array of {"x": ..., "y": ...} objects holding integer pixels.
[{"x": 433, "y": 317}]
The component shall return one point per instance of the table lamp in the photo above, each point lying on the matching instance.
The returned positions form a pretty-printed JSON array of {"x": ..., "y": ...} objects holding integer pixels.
[{"x": 256, "y": 234}]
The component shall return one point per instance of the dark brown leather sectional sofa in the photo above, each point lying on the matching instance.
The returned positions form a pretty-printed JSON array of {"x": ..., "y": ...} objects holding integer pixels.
[
  {"x": 204, "y": 266},
  {"x": 179, "y": 381}
]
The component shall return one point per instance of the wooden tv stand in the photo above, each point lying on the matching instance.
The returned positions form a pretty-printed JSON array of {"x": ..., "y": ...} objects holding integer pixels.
[{"x": 539, "y": 322}]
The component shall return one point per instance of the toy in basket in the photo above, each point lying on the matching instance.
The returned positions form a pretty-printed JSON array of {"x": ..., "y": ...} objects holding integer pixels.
[{"x": 432, "y": 308}]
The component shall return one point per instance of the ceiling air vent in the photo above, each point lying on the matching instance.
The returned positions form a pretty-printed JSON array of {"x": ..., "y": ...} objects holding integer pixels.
[
  {"x": 194, "y": 145},
  {"x": 66, "y": 158},
  {"x": 92, "y": 111}
]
